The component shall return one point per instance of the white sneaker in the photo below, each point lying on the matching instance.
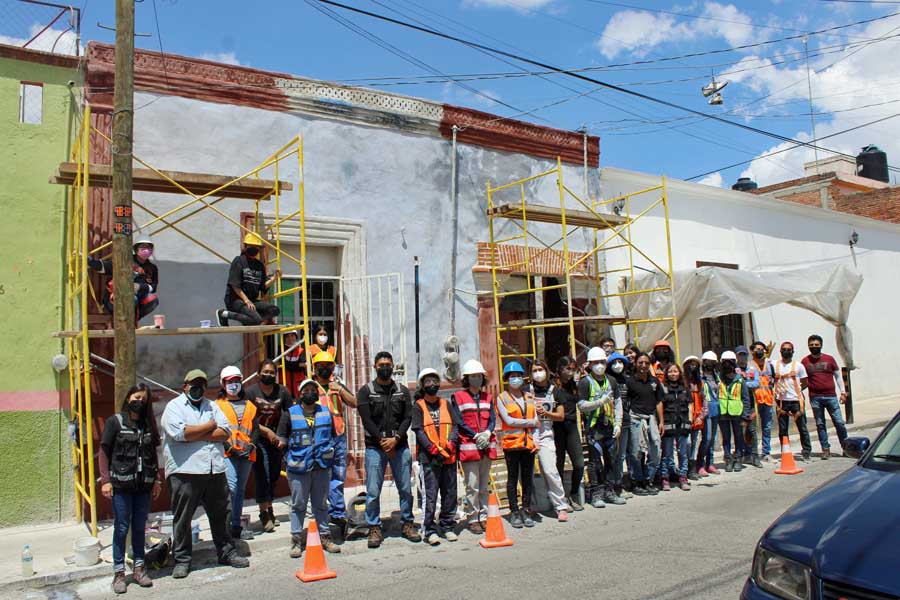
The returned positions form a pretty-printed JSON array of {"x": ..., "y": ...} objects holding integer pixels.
[
  {"x": 450, "y": 536},
  {"x": 598, "y": 503},
  {"x": 434, "y": 539}
]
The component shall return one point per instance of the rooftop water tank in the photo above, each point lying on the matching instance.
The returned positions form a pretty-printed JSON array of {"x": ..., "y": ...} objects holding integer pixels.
[
  {"x": 744, "y": 184},
  {"x": 872, "y": 163}
]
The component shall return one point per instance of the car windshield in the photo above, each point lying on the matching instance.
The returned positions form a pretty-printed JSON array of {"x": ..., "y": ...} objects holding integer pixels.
[{"x": 887, "y": 449}]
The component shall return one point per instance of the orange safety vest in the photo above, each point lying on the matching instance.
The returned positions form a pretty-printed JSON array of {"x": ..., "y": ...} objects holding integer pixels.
[
  {"x": 438, "y": 434},
  {"x": 660, "y": 374},
  {"x": 763, "y": 393},
  {"x": 240, "y": 432},
  {"x": 696, "y": 404},
  {"x": 781, "y": 382},
  {"x": 332, "y": 401},
  {"x": 516, "y": 438}
]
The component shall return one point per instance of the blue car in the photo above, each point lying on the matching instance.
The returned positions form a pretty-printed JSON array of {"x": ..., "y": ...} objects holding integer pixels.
[{"x": 842, "y": 541}]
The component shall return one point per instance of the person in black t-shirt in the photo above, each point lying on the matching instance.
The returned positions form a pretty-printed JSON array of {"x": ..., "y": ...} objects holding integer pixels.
[
  {"x": 644, "y": 398},
  {"x": 247, "y": 283}
]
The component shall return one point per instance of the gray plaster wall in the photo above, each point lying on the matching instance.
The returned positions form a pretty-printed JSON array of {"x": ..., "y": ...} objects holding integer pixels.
[{"x": 396, "y": 183}]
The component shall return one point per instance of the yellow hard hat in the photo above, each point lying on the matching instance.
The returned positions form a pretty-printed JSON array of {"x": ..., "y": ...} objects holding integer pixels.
[
  {"x": 252, "y": 239},
  {"x": 323, "y": 356}
]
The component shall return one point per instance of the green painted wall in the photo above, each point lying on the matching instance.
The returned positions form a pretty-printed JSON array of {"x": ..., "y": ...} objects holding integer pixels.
[{"x": 35, "y": 475}]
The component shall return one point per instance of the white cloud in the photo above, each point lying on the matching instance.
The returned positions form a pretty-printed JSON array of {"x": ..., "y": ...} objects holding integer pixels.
[
  {"x": 454, "y": 94},
  {"x": 522, "y": 5},
  {"x": 228, "y": 58},
  {"x": 714, "y": 180},
  {"x": 58, "y": 41},
  {"x": 639, "y": 32}
]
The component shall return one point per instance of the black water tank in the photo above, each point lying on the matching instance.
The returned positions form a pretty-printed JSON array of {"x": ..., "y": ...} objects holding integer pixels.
[
  {"x": 872, "y": 163},
  {"x": 744, "y": 184}
]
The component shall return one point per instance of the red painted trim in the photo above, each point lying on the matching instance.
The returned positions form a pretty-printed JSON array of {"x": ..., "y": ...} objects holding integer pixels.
[
  {"x": 36, "y": 56},
  {"x": 32, "y": 401}
]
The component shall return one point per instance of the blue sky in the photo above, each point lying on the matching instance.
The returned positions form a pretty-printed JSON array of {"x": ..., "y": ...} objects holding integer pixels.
[{"x": 851, "y": 79}]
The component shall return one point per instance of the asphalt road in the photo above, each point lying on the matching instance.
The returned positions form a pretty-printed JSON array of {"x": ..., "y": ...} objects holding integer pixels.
[{"x": 696, "y": 544}]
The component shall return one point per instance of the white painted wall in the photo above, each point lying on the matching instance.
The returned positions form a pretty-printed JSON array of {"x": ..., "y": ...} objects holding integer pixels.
[{"x": 712, "y": 224}]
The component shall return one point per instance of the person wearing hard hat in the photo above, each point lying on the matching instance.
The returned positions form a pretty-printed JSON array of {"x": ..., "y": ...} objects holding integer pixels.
[
  {"x": 436, "y": 427},
  {"x": 334, "y": 395},
  {"x": 518, "y": 420},
  {"x": 617, "y": 368},
  {"x": 663, "y": 356},
  {"x": 601, "y": 410},
  {"x": 709, "y": 365},
  {"x": 734, "y": 404},
  {"x": 477, "y": 442},
  {"x": 307, "y": 429},
  {"x": 248, "y": 282},
  {"x": 145, "y": 277},
  {"x": 549, "y": 412},
  {"x": 194, "y": 430},
  {"x": 240, "y": 448},
  {"x": 748, "y": 424},
  {"x": 693, "y": 382}
]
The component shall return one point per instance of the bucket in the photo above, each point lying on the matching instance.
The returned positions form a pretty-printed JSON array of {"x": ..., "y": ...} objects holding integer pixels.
[{"x": 87, "y": 551}]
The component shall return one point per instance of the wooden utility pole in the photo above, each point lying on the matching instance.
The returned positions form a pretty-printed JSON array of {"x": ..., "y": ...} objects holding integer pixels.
[{"x": 123, "y": 128}]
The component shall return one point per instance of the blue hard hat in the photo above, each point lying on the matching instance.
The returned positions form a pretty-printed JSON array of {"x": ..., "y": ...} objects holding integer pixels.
[
  {"x": 617, "y": 356},
  {"x": 513, "y": 367}
]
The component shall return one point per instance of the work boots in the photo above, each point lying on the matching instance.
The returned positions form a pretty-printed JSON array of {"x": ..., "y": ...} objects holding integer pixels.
[
  {"x": 119, "y": 585},
  {"x": 729, "y": 464},
  {"x": 329, "y": 545},
  {"x": 139, "y": 576},
  {"x": 375, "y": 536},
  {"x": 296, "y": 545},
  {"x": 611, "y": 497},
  {"x": 738, "y": 465},
  {"x": 411, "y": 533},
  {"x": 756, "y": 462},
  {"x": 266, "y": 522},
  {"x": 692, "y": 471}
]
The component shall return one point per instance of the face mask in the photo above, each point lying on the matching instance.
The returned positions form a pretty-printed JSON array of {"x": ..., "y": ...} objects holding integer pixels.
[
  {"x": 617, "y": 367},
  {"x": 322, "y": 339},
  {"x": 787, "y": 354},
  {"x": 516, "y": 382},
  {"x": 476, "y": 381},
  {"x": 324, "y": 372},
  {"x": 233, "y": 389},
  {"x": 384, "y": 372},
  {"x": 267, "y": 379},
  {"x": 599, "y": 369},
  {"x": 727, "y": 367},
  {"x": 251, "y": 251},
  {"x": 309, "y": 398},
  {"x": 136, "y": 406},
  {"x": 196, "y": 393},
  {"x": 661, "y": 355},
  {"x": 708, "y": 366},
  {"x": 539, "y": 376},
  {"x": 145, "y": 253},
  {"x": 815, "y": 351},
  {"x": 431, "y": 390},
  {"x": 759, "y": 353}
]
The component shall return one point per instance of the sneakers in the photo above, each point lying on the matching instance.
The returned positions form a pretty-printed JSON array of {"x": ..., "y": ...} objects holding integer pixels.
[
  {"x": 329, "y": 545},
  {"x": 713, "y": 470},
  {"x": 701, "y": 472},
  {"x": 683, "y": 484},
  {"x": 527, "y": 520},
  {"x": 434, "y": 539},
  {"x": 562, "y": 516},
  {"x": 640, "y": 490},
  {"x": 738, "y": 465},
  {"x": 652, "y": 490},
  {"x": 139, "y": 576},
  {"x": 613, "y": 498},
  {"x": 806, "y": 457},
  {"x": 222, "y": 317},
  {"x": 666, "y": 487},
  {"x": 267, "y": 525},
  {"x": 574, "y": 504},
  {"x": 694, "y": 474},
  {"x": 235, "y": 560},
  {"x": 296, "y": 546},
  {"x": 729, "y": 464},
  {"x": 375, "y": 536},
  {"x": 181, "y": 570},
  {"x": 411, "y": 532},
  {"x": 241, "y": 534},
  {"x": 119, "y": 586},
  {"x": 515, "y": 520},
  {"x": 598, "y": 502},
  {"x": 826, "y": 454},
  {"x": 754, "y": 460},
  {"x": 475, "y": 527},
  {"x": 450, "y": 536}
]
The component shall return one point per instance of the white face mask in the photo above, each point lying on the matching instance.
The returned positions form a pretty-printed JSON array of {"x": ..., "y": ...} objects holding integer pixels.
[
  {"x": 539, "y": 376},
  {"x": 233, "y": 389},
  {"x": 516, "y": 382},
  {"x": 322, "y": 339},
  {"x": 618, "y": 367},
  {"x": 476, "y": 381},
  {"x": 599, "y": 369}
]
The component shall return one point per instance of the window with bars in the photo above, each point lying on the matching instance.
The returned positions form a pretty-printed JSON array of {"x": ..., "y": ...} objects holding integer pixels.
[{"x": 322, "y": 301}]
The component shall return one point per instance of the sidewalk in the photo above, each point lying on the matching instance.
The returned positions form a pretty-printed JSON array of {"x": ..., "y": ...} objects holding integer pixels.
[{"x": 52, "y": 543}]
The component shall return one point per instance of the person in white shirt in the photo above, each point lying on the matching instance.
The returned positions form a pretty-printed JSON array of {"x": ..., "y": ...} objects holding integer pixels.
[{"x": 790, "y": 381}]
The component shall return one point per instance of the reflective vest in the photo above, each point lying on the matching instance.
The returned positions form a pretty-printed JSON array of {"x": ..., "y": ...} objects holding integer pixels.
[
  {"x": 696, "y": 405},
  {"x": 659, "y": 372},
  {"x": 730, "y": 397},
  {"x": 597, "y": 392},
  {"x": 240, "y": 432},
  {"x": 438, "y": 433},
  {"x": 712, "y": 401},
  {"x": 133, "y": 463},
  {"x": 782, "y": 381},
  {"x": 763, "y": 394},
  {"x": 310, "y": 447},
  {"x": 516, "y": 438},
  {"x": 332, "y": 401},
  {"x": 476, "y": 416}
]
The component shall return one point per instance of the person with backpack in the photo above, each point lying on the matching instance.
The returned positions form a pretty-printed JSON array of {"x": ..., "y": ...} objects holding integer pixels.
[
  {"x": 248, "y": 282},
  {"x": 129, "y": 476}
]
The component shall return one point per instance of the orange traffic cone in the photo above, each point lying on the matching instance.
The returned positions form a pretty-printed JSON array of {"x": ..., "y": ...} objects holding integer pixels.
[
  {"x": 494, "y": 535},
  {"x": 788, "y": 466},
  {"x": 314, "y": 567}
]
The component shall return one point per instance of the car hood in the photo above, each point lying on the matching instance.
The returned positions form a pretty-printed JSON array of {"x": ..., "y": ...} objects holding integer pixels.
[{"x": 847, "y": 530}]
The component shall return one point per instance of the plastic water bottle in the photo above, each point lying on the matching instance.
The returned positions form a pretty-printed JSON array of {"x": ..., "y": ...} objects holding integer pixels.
[{"x": 27, "y": 562}]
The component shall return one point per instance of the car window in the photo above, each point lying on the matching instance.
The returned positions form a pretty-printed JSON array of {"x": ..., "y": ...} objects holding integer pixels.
[{"x": 887, "y": 449}]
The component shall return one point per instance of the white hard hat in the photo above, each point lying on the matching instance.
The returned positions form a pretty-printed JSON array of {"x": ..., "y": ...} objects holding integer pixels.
[
  {"x": 141, "y": 238},
  {"x": 710, "y": 355},
  {"x": 230, "y": 371},
  {"x": 689, "y": 359},
  {"x": 473, "y": 367},
  {"x": 305, "y": 382},
  {"x": 728, "y": 355},
  {"x": 425, "y": 372},
  {"x": 596, "y": 353}
]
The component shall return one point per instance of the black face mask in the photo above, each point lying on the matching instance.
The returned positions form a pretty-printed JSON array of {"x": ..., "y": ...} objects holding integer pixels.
[
  {"x": 267, "y": 379},
  {"x": 196, "y": 393},
  {"x": 728, "y": 368},
  {"x": 815, "y": 351},
  {"x": 432, "y": 390},
  {"x": 759, "y": 353},
  {"x": 787, "y": 354},
  {"x": 384, "y": 372},
  {"x": 136, "y": 406},
  {"x": 309, "y": 398},
  {"x": 324, "y": 372},
  {"x": 251, "y": 251},
  {"x": 692, "y": 370}
]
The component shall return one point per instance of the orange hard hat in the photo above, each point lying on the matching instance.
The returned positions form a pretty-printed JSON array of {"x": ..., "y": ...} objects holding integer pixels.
[{"x": 662, "y": 343}]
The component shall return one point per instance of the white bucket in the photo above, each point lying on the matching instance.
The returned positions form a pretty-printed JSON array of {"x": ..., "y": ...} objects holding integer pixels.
[{"x": 87, "y": 551}]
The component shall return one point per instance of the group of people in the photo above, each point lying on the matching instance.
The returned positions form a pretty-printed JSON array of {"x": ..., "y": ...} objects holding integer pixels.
[{"x": 659, "y": 417}]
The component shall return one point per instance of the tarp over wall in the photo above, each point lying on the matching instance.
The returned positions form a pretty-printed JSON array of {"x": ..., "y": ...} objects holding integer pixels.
[{"x": 709, "y": 292}]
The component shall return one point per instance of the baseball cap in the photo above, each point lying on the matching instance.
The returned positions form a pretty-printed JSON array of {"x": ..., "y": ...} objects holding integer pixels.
[{"x": 195, "y": 374}]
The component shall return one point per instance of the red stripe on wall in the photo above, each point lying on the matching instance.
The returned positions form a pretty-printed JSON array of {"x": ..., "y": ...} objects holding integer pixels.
[{"x": 33, "y": 401}]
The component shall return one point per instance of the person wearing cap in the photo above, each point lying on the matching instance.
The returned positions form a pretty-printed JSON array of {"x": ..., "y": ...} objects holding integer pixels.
[
  {"x": 645, "y": 394},
  {"x": 477, "y": 442},
  {"x": 145, "y": 277},
  {"x": 548, "y": 412},
  {"x": 385, "y": 409},
  {"x": 764, "y": 395},
  {"x": 663, "y": 356},
  {"x": 240, "y": 447},
  {"x": 601, "y": 410},
  {"x": 436, "y": 427},
  {"x": 750, "y": 433},
  {"x": 617, "y": 367},
  {"x": 790, "y": 381},
  {"x": 307, "y": 430},
  {"x": 566, "y": 434},
  {"x": 693, "y": 383},
  {"x": 334, "y": 395},
  {"x": 709, "y": 363},
  {"x": 194, "y": 431},
  {"x": 518, "y": 420},
  {"x": 734, "y": 404},
  {"x": 248, "y": 282}
]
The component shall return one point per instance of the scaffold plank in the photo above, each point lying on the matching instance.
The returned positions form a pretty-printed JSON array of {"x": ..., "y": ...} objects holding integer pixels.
[
  {"x": 109, "y": 333},
  {"x": 559, "y": 321},
  {"x": 550, "y": 214}
]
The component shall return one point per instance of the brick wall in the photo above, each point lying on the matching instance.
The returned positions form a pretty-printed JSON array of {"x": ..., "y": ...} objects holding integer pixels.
[
  {"x": 510, "y": 259},
  {"x": 883, "y": 205},
  {"x": 811, "y": 198}
]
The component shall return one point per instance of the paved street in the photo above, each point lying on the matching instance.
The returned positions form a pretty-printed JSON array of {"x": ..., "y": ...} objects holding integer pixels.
[{"x": 695, "y": 544}]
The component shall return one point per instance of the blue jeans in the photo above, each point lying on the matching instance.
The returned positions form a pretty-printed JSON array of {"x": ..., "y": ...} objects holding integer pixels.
[
  {"x": 766, "y": 416},
  {"x": 729, "y": 426},
  {"x": 337, "y": 509},
  {"x": 639, "y": 474},
  {"x": 621, "y": 453},
  {"x": 401, "y": 468},
  {"x": 667, "y": 464},
  {"x": 237, "y": 470},
  {"x": 830, "y": 403},
  {"x": 708, "y": 442},
  {"x": 129, "y": 511}
]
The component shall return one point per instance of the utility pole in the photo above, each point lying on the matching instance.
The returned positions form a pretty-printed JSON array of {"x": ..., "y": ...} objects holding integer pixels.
[{"x": 123, "y": 127}]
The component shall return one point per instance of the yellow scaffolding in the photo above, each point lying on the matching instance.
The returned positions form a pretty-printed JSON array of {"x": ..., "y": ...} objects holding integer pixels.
[
  {"x": 200, "y": 189},
  {"x": 610, "y": 222}
]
